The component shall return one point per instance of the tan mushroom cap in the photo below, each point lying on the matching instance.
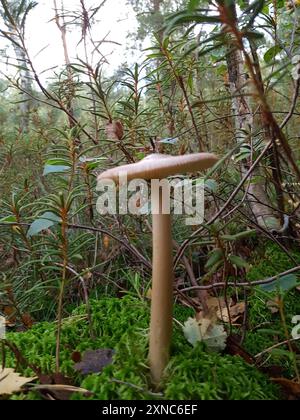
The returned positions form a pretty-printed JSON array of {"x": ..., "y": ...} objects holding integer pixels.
[{"x": 158, "y": 166}]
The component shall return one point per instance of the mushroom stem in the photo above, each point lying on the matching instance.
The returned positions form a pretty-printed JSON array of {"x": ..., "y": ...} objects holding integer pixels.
[{"x": 162, "y": 291}]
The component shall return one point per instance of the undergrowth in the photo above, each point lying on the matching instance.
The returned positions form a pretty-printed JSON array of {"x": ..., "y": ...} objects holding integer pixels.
[
  {"x": 121, "y": 324},
  {"x": 193, "y": 373},
  {"x": 265, "y": 328}
]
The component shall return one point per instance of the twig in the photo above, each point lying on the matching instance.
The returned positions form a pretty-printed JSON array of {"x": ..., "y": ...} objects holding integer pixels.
[
  {"x": 245, "y": 284},
  {"x": 292, "y": 340},
  {"x": 228, "y": 202},
  {"x": 86, "y": 297},
  {"x": 129, "y": 247},
  {"x": 293, "y": 105}
]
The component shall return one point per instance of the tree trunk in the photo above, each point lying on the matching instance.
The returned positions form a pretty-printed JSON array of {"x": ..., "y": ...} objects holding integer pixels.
[
  {"x": 244, "y": 123},
  {"x": 25, "y": 83},
  {"x": 26, "y": 86}
]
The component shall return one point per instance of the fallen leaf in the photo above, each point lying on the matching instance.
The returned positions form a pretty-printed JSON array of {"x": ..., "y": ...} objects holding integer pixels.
[
  {"x": 215, "y": 338},
  {"x": 54, "y": 379},
  {"x": 9, "y": 313},
  {"x": 62, "y": 388},
  {"x": 274, "y": 371},
  {"x": 207, "y": 331},
  {"x": 273, "y": 305},
  {"x": 214, "y": 304},
  {"x": 235, "y": 349},
  {"x": 27, "y": 320},
  {"x": 55, "y": 386},
  {"x": 94, "y": 361},
  {"x": 235, "y": 312},
  {"x": 291, "y": 388},
  {"x": 11, "y": 382},
  {"x": 87, "y": 275},
  {"x": 76, "y": 357},
  {"x": 192, "y": 331}
]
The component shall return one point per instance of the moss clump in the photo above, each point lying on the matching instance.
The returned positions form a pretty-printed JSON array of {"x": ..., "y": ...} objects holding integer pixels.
[
  {"x": 265, "y": 327},
  {"x": 201, "y": 376},
  {"x": 270, "y": 261},
  {"x": 122, "y": 324},
  {"x": 111, "y": 318}
]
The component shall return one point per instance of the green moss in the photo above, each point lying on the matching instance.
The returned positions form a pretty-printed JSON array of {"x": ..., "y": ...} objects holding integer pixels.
[
  {"x": 266, "y": 328},
  {"x": 201, "y": 376},
  {"x": 271, "y": 260},
  {"x": 122, "y": 325}
]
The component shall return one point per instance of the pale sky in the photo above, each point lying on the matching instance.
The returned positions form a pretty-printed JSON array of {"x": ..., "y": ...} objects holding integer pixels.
[{"x": 115, "y": 18}]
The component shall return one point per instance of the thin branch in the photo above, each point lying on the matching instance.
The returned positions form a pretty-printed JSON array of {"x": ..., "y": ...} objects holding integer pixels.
[
  {"x": 259, "y": 355},
  {"x": 245, "y": 284}
]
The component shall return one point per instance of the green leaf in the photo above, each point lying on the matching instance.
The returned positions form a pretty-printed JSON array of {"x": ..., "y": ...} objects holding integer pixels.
[
  {"x": 43, "y": 223},
  {"x": 215, "y": 257},
  {"x": 238, "y": 261},
  {"x": 57, "y": 162},
  {"x": 285, "y": 283},
  {"x": 55, "y": 169},
  {"x": 211, "y": 185},
  {"x": 267, "y": 331},
  {"x": 93, "y": 165},
  {"x": 169, "y": 141},
  {"x": 271, "y": 53},
  {"x": 244, "y": 153},
  {"x": 186, "y": 17},
  {"x": 254, "y": 35},
  {"x": 281, "y": 353},
  {"x": 8, "y": 219},
  {"x": 239, "y": 236},
  {"x": 222, "y": 70}
]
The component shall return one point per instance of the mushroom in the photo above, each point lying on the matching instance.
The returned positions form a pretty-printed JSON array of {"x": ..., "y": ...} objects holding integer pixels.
[{"x": 158, "y": 166}]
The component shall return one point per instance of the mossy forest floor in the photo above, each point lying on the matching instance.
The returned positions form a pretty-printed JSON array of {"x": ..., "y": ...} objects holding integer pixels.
[{"x": 193, "y": 373}]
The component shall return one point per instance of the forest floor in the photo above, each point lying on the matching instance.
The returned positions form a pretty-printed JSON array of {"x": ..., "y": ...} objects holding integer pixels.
[{"x": 252, "y": 368}]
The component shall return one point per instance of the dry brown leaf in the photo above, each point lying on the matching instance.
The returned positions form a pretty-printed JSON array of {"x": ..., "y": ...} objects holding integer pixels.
[
  {"x": 106, "y": 242},
  {"x": 61, "y": 394},
  {"x": 273, "y": 306},
  {"x": 213, "y": 304},
  {"x": 66, "y": 388},
  {"x": 10, "y": 315},
  {"x": 94, "y": 361},
  {"x": 114, "y": 130},
  {"x": 205, "y": 323},
  {"x": 11, "y": 382},
  {"x": 291, "y": 388},
  {"x": 235, "y": 312},
  {"x": 27, "y": 320}
]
